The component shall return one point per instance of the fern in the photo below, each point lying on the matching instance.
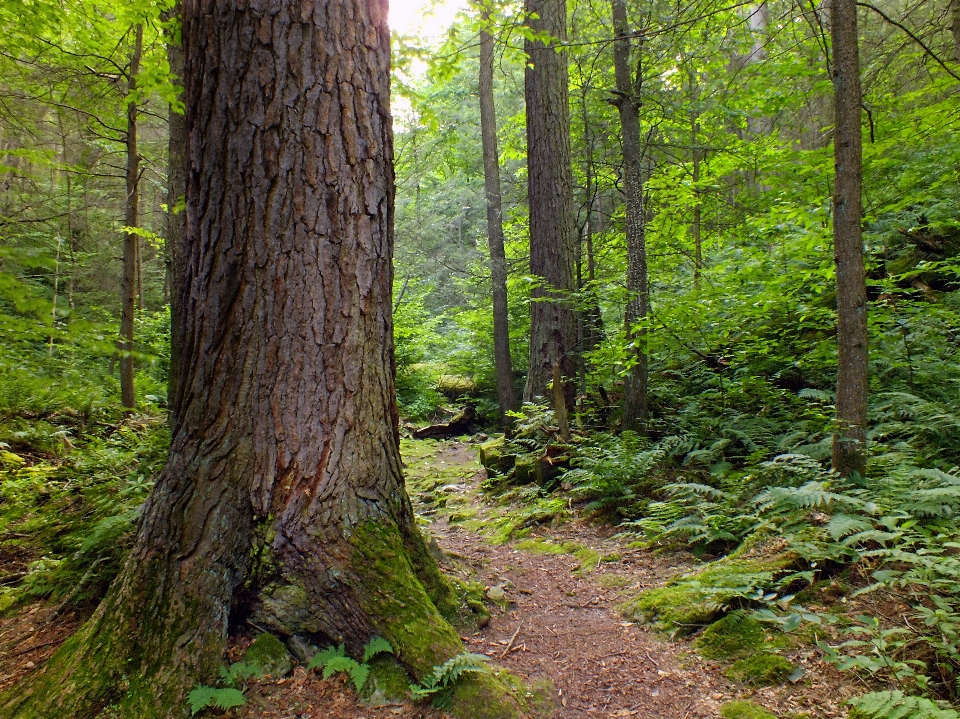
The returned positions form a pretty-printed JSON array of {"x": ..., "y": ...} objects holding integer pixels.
[
  {"x": 896, "y": 705},
  {"x": 438, "y": 684},
  {"x": 333, "y": 660},
  {"x": 203, "y": 696},
  {"x": 377, "y": 645}
]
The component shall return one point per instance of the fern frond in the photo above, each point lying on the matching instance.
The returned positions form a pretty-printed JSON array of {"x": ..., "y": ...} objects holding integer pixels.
[
  {"x": 203, "y": 696},
  {"x": 896, "y": 705},
  {"x": 377, "y": 645}
]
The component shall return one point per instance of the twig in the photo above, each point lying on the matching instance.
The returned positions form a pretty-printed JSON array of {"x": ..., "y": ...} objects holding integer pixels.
[
  {"x": 38, "y": 646},
  {"x": 510, "y": 643}
]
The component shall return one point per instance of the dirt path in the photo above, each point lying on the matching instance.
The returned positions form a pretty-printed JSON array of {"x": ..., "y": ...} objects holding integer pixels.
[
  {"x": 558, "y": 616},
  {"x": 553, "y": 592}
]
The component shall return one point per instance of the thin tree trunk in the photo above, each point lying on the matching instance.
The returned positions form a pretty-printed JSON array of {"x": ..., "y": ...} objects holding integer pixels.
[
  {"x": 628, "y": 103},
  {"x": 128, "y": 283},
  {"x": 553, "y": 241},
  {"x": 498, "y": 259},
  {"x": 175, "y": 219},
  {"x": 288, "y": 418},
  {"x": 849, "y": 446}
]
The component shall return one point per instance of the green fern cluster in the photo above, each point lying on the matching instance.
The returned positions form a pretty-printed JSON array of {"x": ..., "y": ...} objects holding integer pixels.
[
  {"x": 895, "y": 705},
  {"x": 228, "y": 696},
  {"x": 333, "y": 660}
]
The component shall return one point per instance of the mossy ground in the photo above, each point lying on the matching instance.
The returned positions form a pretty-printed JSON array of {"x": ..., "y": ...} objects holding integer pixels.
[
  {"x": 744, "y": 710},
  {"x": 760, "y": 669},
  {"x": 688, "y": 602}
]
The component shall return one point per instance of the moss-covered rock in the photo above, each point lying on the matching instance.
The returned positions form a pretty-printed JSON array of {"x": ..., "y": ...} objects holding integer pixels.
[
  {"x": 760, "y": 669},
  {"x": 388, "y": 681},
  {"x": 270, "y": 655},
  {"x": 744, "y": 710},
  {"x": 730, "y": 637},
  {"x": 690, "y": 601},
  {"x": 494, "y": 456}
]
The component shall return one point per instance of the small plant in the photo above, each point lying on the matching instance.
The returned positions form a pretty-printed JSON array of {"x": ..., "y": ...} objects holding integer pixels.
[
  {"x": 225, "y": 697},
  {"x": 334, "y": 659},
  {"x": 438, "y": 686},
  {"x": 887, "y": 705}
]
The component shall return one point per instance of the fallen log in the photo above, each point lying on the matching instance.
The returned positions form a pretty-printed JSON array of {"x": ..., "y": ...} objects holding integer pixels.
[{"x": 458, "y": 424}]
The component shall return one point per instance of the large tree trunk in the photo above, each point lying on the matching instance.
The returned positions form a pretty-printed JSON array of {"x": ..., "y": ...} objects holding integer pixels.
[
  {"x": 131, "y": 241},
  {"x": 553, "y": 241},
  {"x": 628, "y": 103},
  {"x": 176, "y": 217},
  {"x": 287, "y": 417},
  {"x": 498, "y": 258},
  {"x": 849, "y": 445}
]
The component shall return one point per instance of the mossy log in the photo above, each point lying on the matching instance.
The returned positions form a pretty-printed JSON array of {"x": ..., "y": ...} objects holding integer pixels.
[{"x": 460, "y": 423}]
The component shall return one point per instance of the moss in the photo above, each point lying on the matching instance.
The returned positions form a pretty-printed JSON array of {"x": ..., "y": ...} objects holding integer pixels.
[
  {"x": 396, "y": 597},
  {"x": 730, "y": 637},
  {"x": 498, "y": 695},
  {"x": 690, "y": 601},
  {"x": 589, "y": 560},
  {"x": 760, "y": 669},
  {"x": 270, "y": 655},
  {"x": 613, "y": 557},
  {"x": 542, "y": 546},
  {"x": 494, "y": 457},
  {"x": 614, "y": 581},
  {"x": 744, "y": 710},
  {"x": 388, "y": 681}
]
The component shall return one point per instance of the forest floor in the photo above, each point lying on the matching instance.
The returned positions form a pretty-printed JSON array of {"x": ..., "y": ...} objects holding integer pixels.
[{"x": 553, "y": 596}]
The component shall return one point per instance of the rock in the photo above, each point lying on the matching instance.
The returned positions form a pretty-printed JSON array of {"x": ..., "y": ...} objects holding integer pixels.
[
  {"x": 270, "y": 655},
  {"x": 301, "y": 649},
  {"x": 497, "y": 593},
  {"x": 494, "y": 457}
]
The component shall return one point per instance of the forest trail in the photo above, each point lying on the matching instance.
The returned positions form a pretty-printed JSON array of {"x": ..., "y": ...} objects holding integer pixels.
[
  {"x": 554, "y": 614},
  {"x": 553, "y": 596}
]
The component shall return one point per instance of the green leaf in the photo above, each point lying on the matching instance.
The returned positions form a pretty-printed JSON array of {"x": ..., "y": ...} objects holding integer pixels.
[
  {"x": 377, "y": 645},
  {"x": 203, "y": 696}
]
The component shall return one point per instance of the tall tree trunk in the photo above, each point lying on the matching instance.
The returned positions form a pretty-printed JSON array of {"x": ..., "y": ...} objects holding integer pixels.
[
  {"x": 628, "y": 103},
  {"x": 553, "y": 241},
  {"x": 498, "y": 258},
  {"x": 849, "y": 444},
  {"x": 288, "y": 420},
  {"x": 128, "y": 282},
  {"x": 176, "y": 217},
  {"x": 955, "y": 27}
]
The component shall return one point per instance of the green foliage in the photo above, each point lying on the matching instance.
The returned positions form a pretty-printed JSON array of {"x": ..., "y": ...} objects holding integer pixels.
[
  {"x": 742, "y": 709},
  {"x": 895, "y": 705},
  {"x": 333, "y": 660},
  {"x": 438, "y": 685},
  {"x": 224, "y": 698}
]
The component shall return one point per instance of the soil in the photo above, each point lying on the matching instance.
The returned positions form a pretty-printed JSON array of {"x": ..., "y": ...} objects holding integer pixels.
[{"x": 553, "y": 616}]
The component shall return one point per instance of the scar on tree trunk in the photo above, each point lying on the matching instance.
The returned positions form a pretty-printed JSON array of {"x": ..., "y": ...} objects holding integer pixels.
[{"x": 287, "y": 414}]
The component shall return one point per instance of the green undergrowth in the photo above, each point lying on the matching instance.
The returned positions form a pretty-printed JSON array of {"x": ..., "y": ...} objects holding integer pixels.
[
  {"x": 693, "y": 600},
  {"x": 67, "y": 511}
]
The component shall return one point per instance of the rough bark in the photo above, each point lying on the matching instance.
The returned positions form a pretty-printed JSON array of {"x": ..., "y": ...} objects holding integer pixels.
[
  {"x": 131, "y": 241},
  {"x": 553, "y": 241},
  {"x": 849, "y": 445},
  {"x": 498, "y": 259},
  {"x": 287, "y": 420},
  {"x": 955, "y": 27},
  {"x": 628, "y": 103},
  {"x": 176, "y": 218}
]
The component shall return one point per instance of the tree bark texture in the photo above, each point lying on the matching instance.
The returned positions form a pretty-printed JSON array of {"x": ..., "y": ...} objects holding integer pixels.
[
  {"x": 131, "y": 241},
  {"x": 849, "y": 446},
  {"x": 955, "y": 27},
  {"x": 628, "y": 103},
  {"x": 176, "y": 218},
  {"x": 553, "y": 240},
  {"x": 506, "y": 394},
  {"x": 287, "y": 420}
]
